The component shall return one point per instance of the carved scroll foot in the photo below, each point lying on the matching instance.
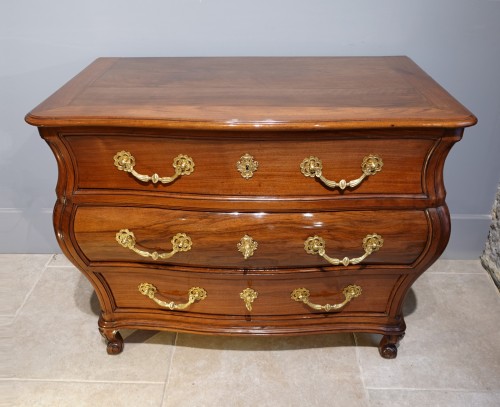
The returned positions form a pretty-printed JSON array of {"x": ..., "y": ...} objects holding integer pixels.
[
  {"x": 388, "y": 346},
  {"x": 114, "y": 340}
]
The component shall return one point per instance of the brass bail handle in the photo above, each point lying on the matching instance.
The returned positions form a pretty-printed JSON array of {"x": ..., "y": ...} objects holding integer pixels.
[
  {"x": 180, "y": 243},
  {"x": 194, "y": 294},
  {"x": 183, "y": 165},
  {"x": 350, "y": 292},
  {"x": 317, "y": 245},
  {"x": 313, "y": 167}
]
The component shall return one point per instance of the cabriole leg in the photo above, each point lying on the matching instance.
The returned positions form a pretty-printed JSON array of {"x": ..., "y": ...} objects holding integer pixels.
[
  {"x": 388, "y": 346},
  {"x": 114, "y": 340}
]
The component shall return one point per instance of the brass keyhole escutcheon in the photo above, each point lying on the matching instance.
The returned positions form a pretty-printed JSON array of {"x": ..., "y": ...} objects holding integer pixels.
[
  {"x": 247, "y": 166},
  {"x": 247, "y": 246},
  {"x": 248, "y": 295}
]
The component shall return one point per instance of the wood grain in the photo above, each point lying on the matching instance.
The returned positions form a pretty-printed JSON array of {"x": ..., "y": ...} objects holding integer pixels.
[
  {"x": 280, "y": 237},
  {"x": 250, "y": 93},
  {"x": 223, "y": 292},
  {"x": 279, "y": 161},
  {"x": 280, "y": 111}
]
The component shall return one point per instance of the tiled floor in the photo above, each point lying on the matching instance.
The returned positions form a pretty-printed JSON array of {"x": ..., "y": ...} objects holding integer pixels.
[{"x": 53, "y": 355}]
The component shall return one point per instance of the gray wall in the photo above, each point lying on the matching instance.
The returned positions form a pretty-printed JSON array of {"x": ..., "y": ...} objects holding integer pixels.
[{"x": 44, "y": 43}]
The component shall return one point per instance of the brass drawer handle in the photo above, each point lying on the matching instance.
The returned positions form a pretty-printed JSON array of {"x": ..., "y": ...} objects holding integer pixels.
[
  {"x": 317, "y": 245},
  {"x": 350, "y": 292},
  {"x": 313, "y": 167},
  {"x": 182, "y": 164},
  {"x": 180, "y": 243},
  {"x": 194, "y": 294}
]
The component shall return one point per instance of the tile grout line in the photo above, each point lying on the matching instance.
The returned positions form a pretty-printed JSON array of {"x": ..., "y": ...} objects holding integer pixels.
[
  {"x": 167, "y": 380},
  {"x": 443, "y": 389},
  {"x": 453, "y": 273},
  {"x": 361, "y": 375},
  {"x": 52, "y": 257},
  {"x": 42, "y": 380},
  {"x": 32, "y": 288}
]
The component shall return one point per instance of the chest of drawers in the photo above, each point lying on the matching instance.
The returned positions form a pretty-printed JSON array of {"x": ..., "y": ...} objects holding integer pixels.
[{"x": 251, "y": 196}]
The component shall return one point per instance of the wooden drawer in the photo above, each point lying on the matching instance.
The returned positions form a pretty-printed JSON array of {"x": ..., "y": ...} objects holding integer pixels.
[
  {"x": 273, "y": 293},
  {"x": 279, "y": 164},
  {"x": 280, "y": 237},
  {"x": 347, "y": 200}
]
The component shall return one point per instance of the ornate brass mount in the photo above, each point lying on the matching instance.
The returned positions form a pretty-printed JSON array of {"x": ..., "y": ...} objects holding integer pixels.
[
  {"x": 194, "y": 294},
  {"x": 180, "y": 243},
  {"x": 317, "y": 245},
  {"x": 313, "y": 167},
  {"x": 248, "y": 295},
  {"x": 247, "y": 166},
  {"x": 302, "y": 295},
  {"x": 247, "y": 246},
  {"x": 182, "y": 164}
]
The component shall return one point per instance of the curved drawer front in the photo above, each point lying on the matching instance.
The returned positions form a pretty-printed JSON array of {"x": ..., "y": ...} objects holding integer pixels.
[
  {"x": 250, "y": 240},
  {"x": 228, "y": 294},
  {"x": 238, "y": 167}
]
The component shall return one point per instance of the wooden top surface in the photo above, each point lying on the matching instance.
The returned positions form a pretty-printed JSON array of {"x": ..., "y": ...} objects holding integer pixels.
[{"x": 250, "y": 93}]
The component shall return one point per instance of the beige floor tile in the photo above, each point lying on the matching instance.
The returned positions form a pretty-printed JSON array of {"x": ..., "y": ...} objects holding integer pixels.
[
  {"x": 6, "y": 320},
  {"x": 6, "y": 343},
  {"x": 297, "y": 371},
  {"x": 18, "y": 275},
  {"x": 452, "y": 339},
  {"x": 417, "y": 398},
  {"x": 56, "y": 357},
  {"x": 78, "y": 394},
  {"x": 457, "y": 266},
  {"x": 56, "y": 337}
]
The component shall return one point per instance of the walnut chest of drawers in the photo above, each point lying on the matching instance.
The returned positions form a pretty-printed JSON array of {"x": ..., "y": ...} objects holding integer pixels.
[{"x": 252, "y": 196}]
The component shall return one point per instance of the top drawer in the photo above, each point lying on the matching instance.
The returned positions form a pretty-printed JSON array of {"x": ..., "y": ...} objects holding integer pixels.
[{"x": 277, "y": 168}]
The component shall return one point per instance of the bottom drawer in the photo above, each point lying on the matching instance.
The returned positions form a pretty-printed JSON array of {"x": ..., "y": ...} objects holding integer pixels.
[{"x": 243, "y": 294}]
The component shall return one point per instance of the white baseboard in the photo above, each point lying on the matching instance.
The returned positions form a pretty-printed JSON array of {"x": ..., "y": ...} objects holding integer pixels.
[{"x": 24, "y": 231}]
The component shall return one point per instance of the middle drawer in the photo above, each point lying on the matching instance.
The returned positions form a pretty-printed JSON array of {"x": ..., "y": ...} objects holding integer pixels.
[{"x": 250, "y": 240}]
